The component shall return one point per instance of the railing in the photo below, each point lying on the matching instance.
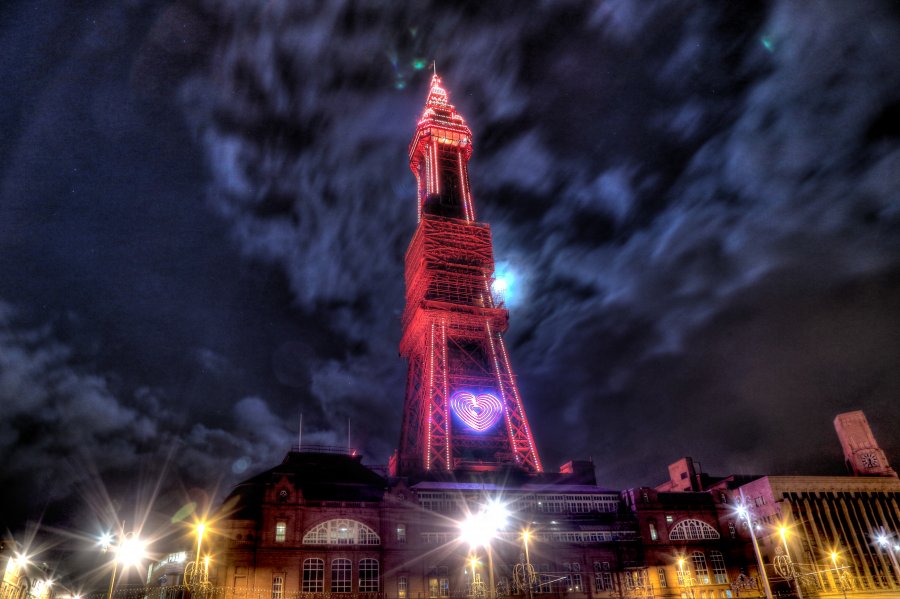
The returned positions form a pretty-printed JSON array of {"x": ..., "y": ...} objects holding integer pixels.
[
  {"x": 322, "y": 449},
  {"x": 214, "y": 592}
]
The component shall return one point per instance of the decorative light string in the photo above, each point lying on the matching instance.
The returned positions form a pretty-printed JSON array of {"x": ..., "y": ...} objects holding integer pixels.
[
  {"x": 430, "y": 394},
  {"x": 537, "y": 460},
  {"x": 446, "y": 393},
  {"x": 490, "y": 336}
]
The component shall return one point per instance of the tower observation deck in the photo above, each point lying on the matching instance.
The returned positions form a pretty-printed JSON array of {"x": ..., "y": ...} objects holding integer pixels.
[{"x": 463, "y": 410}]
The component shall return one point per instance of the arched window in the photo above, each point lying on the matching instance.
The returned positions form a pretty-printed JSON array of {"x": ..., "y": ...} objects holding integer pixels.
[
  {"x": 341, "y": 578},
  {"x": 368, "y": 575},
  {"x": 692, "y": 530},
  {"x": 702, "y": 572},
  {"x": 313, "y": 575},
  {"x": 341, "y": 532}
]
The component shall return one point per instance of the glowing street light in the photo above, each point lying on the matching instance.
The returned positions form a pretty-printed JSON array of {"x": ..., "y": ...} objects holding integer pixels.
[
  {"x": 478, "y": 530},
  {"x": 745, "y": 514},
  {"x": 528, "y": 577},
  {"x": 885, "y": 543},
  {"x": 838, "y": 576},
  {"x": 783, "y": 530},
  {"x": 685, "y": 576},
  {"x": 130, "y": 552}
]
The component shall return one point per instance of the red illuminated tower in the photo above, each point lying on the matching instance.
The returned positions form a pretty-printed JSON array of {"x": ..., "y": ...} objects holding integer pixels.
[{"x": 463, "y": 410}]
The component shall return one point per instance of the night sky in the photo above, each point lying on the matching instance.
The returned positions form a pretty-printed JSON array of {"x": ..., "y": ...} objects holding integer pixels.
[{"x": 204, "y": 206}]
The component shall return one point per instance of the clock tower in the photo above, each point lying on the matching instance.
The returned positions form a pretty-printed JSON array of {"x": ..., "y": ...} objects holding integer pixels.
[
  {"x": 861, "y": 452},
  {"x": 463, "y": 410}
]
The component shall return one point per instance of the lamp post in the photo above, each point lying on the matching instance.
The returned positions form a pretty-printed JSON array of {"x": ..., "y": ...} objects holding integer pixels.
[
  {"x": 480, "y": 529},
  {"x": 529, "y": 570},
  {"x": 129, "y": 552},
  {"x": 477, "y": 585},
  {"x": 196, "y": 573},
  {"x": 886, "y": 543},
  {"x": 744, "y": 513},
  {"x": 12, "y": 575},
  {"x": 782, "y": 530},
  {"x": 838, "y": 578},
  {"x": 685, "y": 577}
]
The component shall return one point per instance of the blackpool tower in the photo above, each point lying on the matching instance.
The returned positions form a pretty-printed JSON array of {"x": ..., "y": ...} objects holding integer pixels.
[{"x": 463, "y": 410}]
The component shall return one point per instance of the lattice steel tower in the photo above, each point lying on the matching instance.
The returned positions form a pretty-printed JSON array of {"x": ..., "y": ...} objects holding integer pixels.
[{"x": 463, "y": 410}]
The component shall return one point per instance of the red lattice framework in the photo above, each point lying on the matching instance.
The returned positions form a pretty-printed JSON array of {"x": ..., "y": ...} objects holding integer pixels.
[{"x": 452, "y": 326}]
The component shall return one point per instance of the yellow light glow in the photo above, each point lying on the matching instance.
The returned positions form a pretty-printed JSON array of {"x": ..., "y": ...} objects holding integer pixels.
[{"x": 526, "y": 534}]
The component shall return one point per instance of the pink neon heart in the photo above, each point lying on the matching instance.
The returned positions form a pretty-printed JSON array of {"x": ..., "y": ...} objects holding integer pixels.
[{"x": 479, "y": 413}]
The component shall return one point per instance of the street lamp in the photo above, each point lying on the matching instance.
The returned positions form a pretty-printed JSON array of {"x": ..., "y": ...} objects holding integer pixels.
[
  {"x": 478, "y": 530},
  {"x": 840, "y": 578},
  {"x": 129, "y": 553},
  {"x": 791, "y": 571},
  {"x": 526, "y": 578},
  {"x": 196, "y": 572},
  {"x": 9, "y": 583},
  {"x": 477, "y": 585},
  {"x": 885, "y": 543},
  {"x": 745, "y": 514},
  {"x": 685, "y": 576}
]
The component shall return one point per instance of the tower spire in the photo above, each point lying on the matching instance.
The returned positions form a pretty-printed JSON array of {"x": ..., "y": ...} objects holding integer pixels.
[
  {"x": 462, "y": 410},
  {"x": 439, "y": 155}
]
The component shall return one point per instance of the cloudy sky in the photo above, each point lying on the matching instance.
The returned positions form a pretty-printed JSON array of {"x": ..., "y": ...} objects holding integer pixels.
[{"x": 204, "y": 206}]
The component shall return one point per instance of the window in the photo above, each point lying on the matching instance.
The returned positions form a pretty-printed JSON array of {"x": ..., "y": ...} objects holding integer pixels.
[
  {"x": 439, "y": 582},
  {"x": 341, "y": 576},
  {"x": 368, "y": 575},
  {"x": 313, "y": 575},
  {"x": 653, "y": 534},
  {"x": 542, "y": 579},
  {"x": 278, "y": 586},
  {"x": 602, "y": 576},
  {"x": 573, "y": 581},
  {"x": 700, "y": 567},
  {"x": 692, "y": 530},
  {"x": 280, "y": 531},
  {"x": 669, "y": 519},
  {"x": 401, "y": 533},
  {"x": 661, "y": 574},
  {"x": 732, "y": 530},
  {"x": 402, "y": 587},
  {"x": 718, "y": 567},
  {"x": 635, "y": 579},
  {"x": 341, "y": 532}
]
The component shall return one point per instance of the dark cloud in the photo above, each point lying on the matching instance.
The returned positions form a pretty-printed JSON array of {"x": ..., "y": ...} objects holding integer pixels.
[
  {"x": 67, "y": 428},
  {"x": 698, "y": 201}
]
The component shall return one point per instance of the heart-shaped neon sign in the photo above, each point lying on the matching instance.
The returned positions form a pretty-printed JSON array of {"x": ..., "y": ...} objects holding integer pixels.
[{"x": 479, "y": 412}]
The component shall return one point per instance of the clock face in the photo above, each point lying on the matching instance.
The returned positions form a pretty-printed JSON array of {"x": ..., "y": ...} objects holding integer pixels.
[{"x": 869, "y": 460}]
